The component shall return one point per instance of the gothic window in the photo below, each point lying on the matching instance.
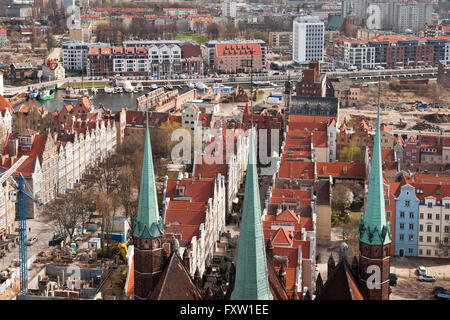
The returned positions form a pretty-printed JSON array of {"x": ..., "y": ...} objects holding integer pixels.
[
  {"x": 146, "y": 244},
  {"x": 156, "y": 244}
]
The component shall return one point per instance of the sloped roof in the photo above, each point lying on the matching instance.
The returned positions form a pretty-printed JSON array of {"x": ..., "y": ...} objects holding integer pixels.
[
  {"x": 287, "y": 215},
  {"x": 175, "y": 282},
  {"x": 341, "y": 169},
  {"x": 335, "y": 23},
  {"x": 281, "y": 237},
  {"x": 200, "y": 190},
  {"x": 4, "y": 104},
  {"x": 341, "y": 285}
]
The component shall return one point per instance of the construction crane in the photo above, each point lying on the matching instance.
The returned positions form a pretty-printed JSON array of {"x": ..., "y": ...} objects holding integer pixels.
[{"x": 19, "y": 195}]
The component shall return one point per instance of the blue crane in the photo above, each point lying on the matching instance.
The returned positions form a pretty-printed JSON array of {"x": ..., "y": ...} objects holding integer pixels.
[{"x": 19, "y": 195}]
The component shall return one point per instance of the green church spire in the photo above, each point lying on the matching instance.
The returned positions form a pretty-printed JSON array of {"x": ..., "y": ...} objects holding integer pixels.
[
  {"x": 251, "y": 281},
  {"x": 373, "y": 228},
  {"x": 148, "y": 223},
  {"x": 350, "y": 8}
]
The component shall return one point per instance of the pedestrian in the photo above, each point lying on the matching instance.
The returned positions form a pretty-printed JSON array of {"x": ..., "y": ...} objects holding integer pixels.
[{"x": 29, "y": 229}]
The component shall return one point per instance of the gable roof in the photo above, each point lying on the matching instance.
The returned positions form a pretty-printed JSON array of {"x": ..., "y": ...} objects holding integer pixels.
[
  {"x": 341, "y": 285},
  {"x": 287, "y": 215},
  {"x": 281, "y": 237},
  {"x": 175, "y": 282}
]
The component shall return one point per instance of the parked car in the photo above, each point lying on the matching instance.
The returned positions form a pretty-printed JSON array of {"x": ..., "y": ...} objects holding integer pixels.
[
  {"x": 31, "y": 241},
  {"x": 393, "y": 279},
  {"x": 426, "y": 278},
  {"x": 15, "y": 263},
  {"x": 437, "y": 290},
  {"x": 57, "y": 239},
  {"x": 422, "y": 271}
]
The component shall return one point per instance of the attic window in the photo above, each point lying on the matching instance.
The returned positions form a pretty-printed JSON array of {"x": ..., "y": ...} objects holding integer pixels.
[
  {"x": 419, "y": 191},
  {"x": 180, "y": 191}
]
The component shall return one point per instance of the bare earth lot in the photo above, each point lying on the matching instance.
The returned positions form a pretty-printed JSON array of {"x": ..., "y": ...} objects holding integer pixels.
[{"x": 411, "y": 289}]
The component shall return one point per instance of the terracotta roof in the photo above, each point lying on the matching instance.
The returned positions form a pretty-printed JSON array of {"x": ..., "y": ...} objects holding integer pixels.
[
  {"x": 320, "y": 139},
  {"x": 237, "y": 49},
  {"x": 341, "y": 169},
  {"x": 287, "y": 215},
  {"x": 4, "y": 104},
  {"x": 341, "y": 285},
  {"x": 175, "y": 282},
  {"x": 276, "y": 288},
  {"x": 400, "y": 140},
  {"x": 384, "y": 127},
  {"x": 296, "y": 169},
  {"x": 200, "y": 190},
  {"x": 281, "y": 237}
]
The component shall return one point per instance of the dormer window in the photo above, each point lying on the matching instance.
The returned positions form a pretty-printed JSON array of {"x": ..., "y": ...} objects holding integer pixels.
[{"x": 180, "y": 191}]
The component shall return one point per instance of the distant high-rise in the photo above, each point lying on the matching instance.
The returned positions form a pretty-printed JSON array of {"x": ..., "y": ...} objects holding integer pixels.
[
  {"x": 308, "y": 39},
  {"x": 229, "y": 9}
]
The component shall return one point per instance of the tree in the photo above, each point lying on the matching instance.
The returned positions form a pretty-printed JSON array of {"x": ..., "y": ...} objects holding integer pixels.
[
  {"x": 212, "y": 30},
  {"x": 104, "y": 207},
  {"x": 51, "y": 42},
  {"x": 341, "y": 198},
  {"x": 352, "y": 152},
  {"x": 70, "y": 211}
]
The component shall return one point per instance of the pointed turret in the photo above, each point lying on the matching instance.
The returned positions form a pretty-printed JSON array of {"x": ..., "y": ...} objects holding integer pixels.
[
  {"x": 251, "y": 267},
  {"x": 148, "y": 223},
  {"x": 373, "y": 228}
]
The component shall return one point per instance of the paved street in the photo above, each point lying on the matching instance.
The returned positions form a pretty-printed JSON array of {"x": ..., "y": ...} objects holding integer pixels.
[{"x": 39, "y": 229}]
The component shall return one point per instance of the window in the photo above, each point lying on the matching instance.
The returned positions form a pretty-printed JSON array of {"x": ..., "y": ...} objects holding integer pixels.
[
  {"x": 430, "y": 216},
  {"x": 420, "y": 251},
  {"x": 406, "y": 203},
  {"x": 436, "y": 229},
  {"x": 447, "y": 206},
  {"x": 428, "y": 252},
  {"x": 402, "y": 214},
  {"x": 428, "y": 239},
  {"x": 421, "y": 227},
  {"x": 402, "y": 226},
  {"x": 430, "y": 204},
  {"x": 411, "y": 226},
  {"x": 438, "y": 216},
  {"x": 411, "y": 237},
  {"x": 429, "y": 228},
  {"x": 447, "y": 217},
  {"x": 411, "y": 215},
  {"x": 410, "y": 250},
  {"x": 388, "y": 214},
  {"x": 436, "y": 239},
  {"x": 420, "y": 239},
  {"x": 386, "y": 203},
  {"x": 402, "y": 237},
  {"x": 446, "y": 229},
  {"x": 421, "y": 216}
]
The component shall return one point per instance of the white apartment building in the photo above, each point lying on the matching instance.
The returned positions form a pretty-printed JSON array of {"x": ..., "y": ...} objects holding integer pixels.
[
  {"x": 75, "y": 54},
  {"x": 434, "y": 225},
  {"x": 229, "y": 9},
  {"x": 308, "y": 39},
  {"x": 3, "y": 38},
  {"x": 358, "y": 53}
]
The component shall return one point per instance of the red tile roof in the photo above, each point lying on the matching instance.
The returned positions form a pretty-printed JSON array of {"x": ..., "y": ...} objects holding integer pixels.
[
  {"x": 200, "y": 190},
  {"x": 341, "y": 169},
  {"x": 4, "y": 104},
  {"x": 236, "y": 49},
  {"x": 281, "y": 237},
  {"x": 296, "y": 169}
]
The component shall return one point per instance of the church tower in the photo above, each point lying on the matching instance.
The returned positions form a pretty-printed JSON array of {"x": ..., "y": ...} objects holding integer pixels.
[
  {"x": 251, "y": 282},
  {"x": 147, "y": 230},
  {"x": 374, "y": 232}
]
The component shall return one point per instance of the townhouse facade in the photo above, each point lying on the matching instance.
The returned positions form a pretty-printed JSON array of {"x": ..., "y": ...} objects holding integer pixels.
[{"x": 406, "y": 222}]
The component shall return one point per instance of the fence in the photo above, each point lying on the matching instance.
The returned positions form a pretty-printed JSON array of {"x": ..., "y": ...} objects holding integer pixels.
[{"x": 14, "y": 274}]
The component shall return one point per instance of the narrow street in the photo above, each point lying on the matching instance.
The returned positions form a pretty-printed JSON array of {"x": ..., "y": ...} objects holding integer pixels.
[{"x": 39, "y": 229}]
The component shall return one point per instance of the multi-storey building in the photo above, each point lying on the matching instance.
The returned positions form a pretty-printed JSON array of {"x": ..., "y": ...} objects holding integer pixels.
[
  {"x": 281, "y": 40},
  {"x": 411, "y": 152},
  {"x": 434, "y": 219},
  {"x": 390, "y": 51},
  {"x": 229, "y": 9},
  {"x": 7, "y": 211},
  {"x": 75, "y": 54},
  {"x": 313, "y": 83},
  {"x": 162, "y": 60},
  {"x": 308, "y": 39},
  {"x": 238, "y": 57},
  {"x": 406, "y": 221},
  {"x": 210, "y": 49},
  {"x": 430, "y": 149}
]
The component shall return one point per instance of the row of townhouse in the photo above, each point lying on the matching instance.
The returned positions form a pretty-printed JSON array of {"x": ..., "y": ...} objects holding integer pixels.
[
  {"x": 418, "y": 207},
  {"x": 194, "y": 212},
  {"x": 58, "y": 158}
]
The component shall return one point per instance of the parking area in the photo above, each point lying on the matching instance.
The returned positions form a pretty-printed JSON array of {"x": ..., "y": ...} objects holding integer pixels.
[{"x": 412, "y": 289}]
